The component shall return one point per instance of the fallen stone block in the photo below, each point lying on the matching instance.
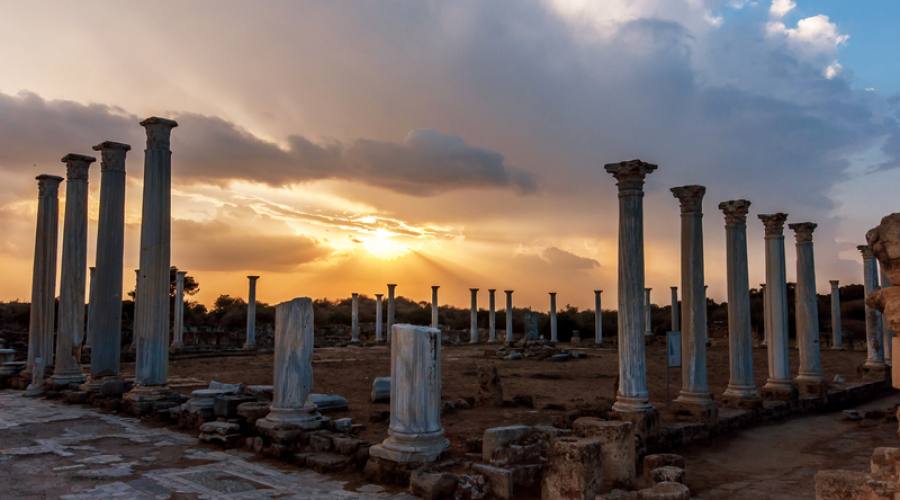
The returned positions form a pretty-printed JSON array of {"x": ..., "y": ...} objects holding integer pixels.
[
  {"x": 219, "y": 427},
  {"x": 432, "y": 485},
  {"x": 657, "y": 460},
  {"x": 328, "y": 402},
  {"x": 500, "y": 437},
  {"x": 252, "y": 411},
  {"x": 665, "y": 491},
  {"x": 226, "y": 388},
  {"x": 326, "y": 462},
  {"x": 320, "y": 441},
  {"x": 617, "y": 447},
  {"x": 574, "y": 468},
  {"x": 381, "y": 390},
  {"x": 226, "y": 406},
  {"x": 667, "y": 473},
  {"x": 347, "y": 445}
]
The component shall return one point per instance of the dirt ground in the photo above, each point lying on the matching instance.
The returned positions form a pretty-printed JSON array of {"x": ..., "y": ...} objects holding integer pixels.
[{"x": 554, "y": 386}]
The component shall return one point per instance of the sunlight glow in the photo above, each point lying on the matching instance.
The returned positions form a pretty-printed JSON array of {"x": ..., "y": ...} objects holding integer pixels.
[{"x": 382, "y": 244}]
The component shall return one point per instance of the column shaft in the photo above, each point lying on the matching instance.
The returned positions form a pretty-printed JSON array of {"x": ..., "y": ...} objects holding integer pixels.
[
  {"x": 250, "y": 343},
  {"x": 598, "y": 318},
  {"x": 837, "y": 338},
  {"x": 779, "y": 381},
  {"x": 390, "y": 310},
  {"x": 492, "y": 316},
  {"x": 354, "y": 318},
  {"x": 89, "y": 336},
  {"x": 379, "y": 319},
  {"x": 434, "y": 306},
  {"x": 473, "y": 317},
  {"x": 874, "y": 339},
  {"x": 509, "y": 316},
  {"x": 806, "y": 307},
  {"x": 178, "y": 324},
  {"x": 42, "y": 314},
  {"x": 676, "y": 311},
  {"x": 554, "y": 333},
  {"x": 886, "y": 332}
]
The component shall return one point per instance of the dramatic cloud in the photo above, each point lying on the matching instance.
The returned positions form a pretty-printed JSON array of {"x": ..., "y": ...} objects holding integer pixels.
[
  {"x": 561, "y": 258},
  {"x": 780, "y": 8}
]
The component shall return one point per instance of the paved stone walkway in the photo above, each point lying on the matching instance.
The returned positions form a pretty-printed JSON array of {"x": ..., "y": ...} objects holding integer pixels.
[{"x": 53, "y": 450}]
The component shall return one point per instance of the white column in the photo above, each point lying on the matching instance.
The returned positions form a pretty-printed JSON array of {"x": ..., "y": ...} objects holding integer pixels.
[
  {"x": 250, "y": 342},
  {"x": 390, "y": 309},
  {"x": 492, "y": 315},
  {"x": 779, "y": 383},
  {"x": 509, "y": 316},
  {"x": 379, "y": 320},
  {"x": 765, "y": 325},
  {"x": 806, "y": 308},
  {"x": 354, "y": 318},
  {"x": 676, "y": 310},
  {"x": 554, "y": 332},
  {"x": 89, "y": 336},
  {"x": 740, "y": 340},
  {"x": 648, "y": 323},
  {"x": 632, "y": 394},
  {"x": 152, "y": 357},
  {"x": 42, "y": 315},
  {"x": 694, "y": 385},
  {"x": 415, "y": 433},
  {"x": 67, "y": 369},
  {"x": 837, "y": 338},
  {"x": 293, "y": 373},
  {"x": 886, "y": 332},
  {"x": 598, "y": 317},
  {"x": 134, "y": 313},
  {"x": 874, "y": 340},
  {"x": 434, "y": 306},
  {"x": 473, "y": 317},
  {"x": 178, "y": 326}
]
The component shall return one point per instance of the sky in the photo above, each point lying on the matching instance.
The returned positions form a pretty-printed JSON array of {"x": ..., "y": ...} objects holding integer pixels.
[{"x": 334, "y": 147}]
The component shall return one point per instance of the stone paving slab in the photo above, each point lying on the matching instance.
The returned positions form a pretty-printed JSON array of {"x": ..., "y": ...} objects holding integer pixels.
[{"x": 52, "y": 450}]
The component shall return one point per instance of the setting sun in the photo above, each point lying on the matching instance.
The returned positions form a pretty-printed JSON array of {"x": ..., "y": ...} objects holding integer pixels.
[{"x": 382, "y": 244}]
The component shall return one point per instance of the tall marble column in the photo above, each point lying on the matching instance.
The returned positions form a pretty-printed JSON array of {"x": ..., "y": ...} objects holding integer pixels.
[
  {"x": 779, "y": 384},
  {"x": 89, "y": 336},
  {"x": 390, "y": 309},
  {"x": 152, "y": 357},
  {"x": 70, "y": 329},
  {"x": 694, "y": 393},
  {"x": 492, "y": 315},
  {"x": 741, "y": 387},
  {"x": 648, "y": 309},
  {"x": 632, "y": 395},
  {"x": 765, "y": 327},
  {"x": 42, "y": 315},
  {"x": 354, "y": 318},
  {"x": 676, "y": 310},
  {"x": 379, "y": 320},
  {"x": 434, "y": 306},
  {"x": 509, "y": 316},
  {"x": 874, "y": 340},
  {"x": 415, "y": 434},
  {"x": 250, "y": 343},
  {"x": 473, "y": 317},
  {"x": 105, "y": 325},
  {"x": 809, "y": 378},
  {"x": 598, "y": 317},
  {"x": 178, "y": 323},
  {"x": 554, "y": 333},
  {"x": 293, "y": 372},
  {"x": 886, "y": 332},
  {"x": 837, "y": 338}
]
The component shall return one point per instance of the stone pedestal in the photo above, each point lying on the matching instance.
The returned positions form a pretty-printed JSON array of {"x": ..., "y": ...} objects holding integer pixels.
[
  {"x": 42, "y": 316},
  {"x": 354, "y": 318},
  {"x": 251, "y": 314},
  {"x": 492, "y": 315},
  {"x": 434, "y": 306},
  {"x": 874, "y": 347},
  {"x": 741, "y": 391},
  {"x": 837, "y": 336},
  {"x": 509, "y": 316},
  {"x": 178, "y": 325},
  {"x": 415, "y": 432},
  {"x": 554, "y": 333},
  {"x": 145, "y": 400},
  {"x": 809, "y": 379},
  {"x": 379, "y": 320},
  {"x": 779, "y": 384},
  {"x": 598, "y": 318},
  {"x": 473, "y": 317},
  {"x": 632, "y": 395},
  {"x": 291, "y": 409},
  {"x": 70, "y": 330}
]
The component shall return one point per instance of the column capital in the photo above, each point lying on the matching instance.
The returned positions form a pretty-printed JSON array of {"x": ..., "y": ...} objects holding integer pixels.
[
  {"x": 354, "y": 294},
  {"x": 391, "y": 285},
  {"x": 158, "y": 131},
  {"x": 508, "y": 291},
  {"x": 552, "y": 293},
  {"x": 630, "y": 174},
  {"x": 433, "y": 287},
  {"x": 762, "y": 285},
  {"x": 674, "y": 288},
  {"x": 803, "y": 231},
  {"x": 774, "y": 223},
  {"x": 48, "y": 185},
  {"x": 112, "y": 155},
  {"x": 77, "y": 166},
  {"x": 866, "y": 251},
  {"x": 379, "y": 295},
  {"x": 647, "y": 289},
  {"x": 492, "y": 290},
  {"x": 690, "y": 197},
  {"x": 834, "y": 283},
  {"x": 735, "y": 211},
  {"x": 598, "y": 291},
  {"x": 473, "y": 290},
  {"x": 252, "y": 278}
]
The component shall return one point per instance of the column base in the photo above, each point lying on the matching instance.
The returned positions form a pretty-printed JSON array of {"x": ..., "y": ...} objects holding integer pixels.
[
  {"x": 114, "y": 385},
  {"x": 306, "y": 418},
  {"x": 34, "y": 390},
  {"x": 743, "y": 397},
  {"x": 811, "y": 386},
  {"x": 874, "y": 369},
  {"x": 696, "y": 405},
  {"x": 70, "y": 378},
  {"x": 147, "y": 399},
  {"x": 413, "y": 448},
  {"x": 779, "y": 390},
  {"x": 645, "y": 422}
]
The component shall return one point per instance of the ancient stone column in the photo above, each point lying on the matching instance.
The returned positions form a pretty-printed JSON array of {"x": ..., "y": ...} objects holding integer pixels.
[
  {"x": 741, "y": 388},
  {"x": 415, "y": 434},
  {"x": 152, "y": 356},
  {"x": 779, "y": 384},
  {"x": 178, "y": 326},
  {"x": 837, "y": 338},
  {"x": 554, "y": 333},
  {"x": 379, "y": 320},
  {"x": 251, "y": 314},
  {"x": 293, "y": 373},
  {"x": 492, "y": 315},
  {"x": 89, "y": 336},
  {"x": 598, "y": 318},
  {"x": 473, "y": 317},
  {"x": 390, "y": 309},
  {"x": 676, "y": 310},
  {"x": 809, "y": 378},
  {"x": 67, "y": 369},
  {"x": 886, "y": 332},
  {"x": 434, "y": 306},
  {"x": 42, "y": 315},
  {"x": 874, "y": 339},
  {"x": 354, "y": 318},
  {"x": 648, "y": 323},
  {"x": 694, "y": 395},
  {"x": 134, "y": 329},
  {"x": 509, "y": 316},
  {"x": 632, "y": 394},
  {"x": 105, "y": 322},
  {"x": 765, "y": 327}
]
